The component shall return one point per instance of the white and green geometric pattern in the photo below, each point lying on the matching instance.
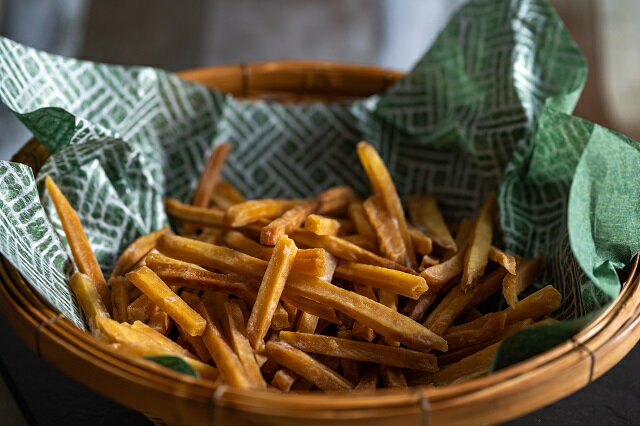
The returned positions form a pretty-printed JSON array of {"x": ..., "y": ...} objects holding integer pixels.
[{"x": 485, "y": 109}]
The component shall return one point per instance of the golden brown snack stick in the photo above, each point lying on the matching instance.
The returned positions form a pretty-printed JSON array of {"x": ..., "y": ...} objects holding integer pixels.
[
  {"x": 388, "y": 236},
  {"x": 194, "y": 215},
  {"x": 307, "y": 323},
  {"x": 360, "y": 221},
  {"x": 382, "y": 184},
  {"x": 233, "y": 324},
  {"x": 307, "y": 367},
  {"x": 416, "y": 308},
  {"x": 534, "y": 306},
  {"x": 166, "y": 300},
  {"x": 119, "y": 297},
  {"x": 457, "y": 300},
  {"x": 160, "y": 322},
  {"x": 360, "y": 351},
  {"x": 350, "y": 367},
  {"x": 270, "y": 290},
  {"x": 327, "y": 313},
  {"x": 343, "y": 249},
  {"x": 392, "y": 377},
  {"x": 390, "y": 300},
  {"x": 427, "y": 262},
  {"x": 477, "y": 253},
  {"x": 526, "y": 272},
  {"x": 334, "y": 200},
  {"x": 83, "y": 256},
  {"x": 359, "y": 330},
  {"x": 426, "y": 215},
  {"x": 141, "y": 309},
  {"x": 292, "y": 312},
  {"x": 454, "y": 356},
  {"x": 90, "y": 301},
  {"x": 195, "y": 342},
  {"x": 474, "y": 365},
  {"x": 396, "y": 282},
  {"x": 438, "y": 275},
  {"x": 136, "y": 251},
  {"x": 284, "y": 379},
  {"x": 251, "y": 211},
  {"x": 369, "y": 379},
  {"x": 422, "y": 244},
  {"x": 160, "y": 339},
  {"x": 226, "y": 360},
  {"x": 205, "y": 371},
  {"x": 482, "y": 329},
  {"x": 374, "y": 315},
  {"x": 322, "y": 225},
  {"x": 501, "y": 258},
  {"x": 470, "y": 315},
  {"x": 239, "y": 241},
  {"x": 362, "y": 241},
  {"x": 226, "y": 195},
  {"x": 290, "y": 220},
  {"x": 210, "y": 175},
  {"x": 211, "y": 235}
]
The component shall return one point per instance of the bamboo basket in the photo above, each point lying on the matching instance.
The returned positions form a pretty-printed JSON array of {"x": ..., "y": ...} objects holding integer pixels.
[{"x": 170, "y": 398}]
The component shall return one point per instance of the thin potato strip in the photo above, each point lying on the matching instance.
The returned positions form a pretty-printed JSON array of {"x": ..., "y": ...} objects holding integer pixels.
[
  {"x": 477, "y": 254},
  {"x": 438, "y": 275},
  {"x": 90, "y": 301},
  {"x": 501, "y": 258},
  {"x": 290, "y": 220},
  {"x": 470, "y": 315},
  {"x": 382, "y": 184},
  {"x": 83, "y": 256},
  {"x": 417, "y": 309},
  {"x": 194, "y": 215},
  {"x": 284, "y": 379},
  {"x": 359, "y": 330},
  {"x": 422, "y": 244},
  {"x": 362, "y": 241},
  {"x": 392, "y": 377},
  {"x": 390, "y": 300},
  {"x": 360, "y": 351},
  {"x": 427, "y": 262},
  {"x": 226, "y": 195},
  {"x": 194, "y": 341},
  {"x": 380, "y": 318},
  {"x": 396, "y": 282},
  {"x": 239, "y": 241},
  {"x": 141, "y": 309},
  {"x": 456, "y": 301},
  {"x": 322, "y": 225},
  {"x": 312, "y": 307},
  {"x": 369, "y": 379},
  {"x": 360, "y": 221},
  {"x": 226, "y": 360},
  {"x": 307, "y": 323},
  {"x": 389, "y": 239},
  {"x": 251, "y": 211},
  {"x": 160, "y": 322},
  {"x": 526, "y": 272},
  {"x": 119, "y": 297},
  {"x": 467, "y": 368},
  {"x": 480, "y": 330},
  {"x": 210, "y": 175},
  {"x": 166, "y": 300},
  {"x": 334, "y": 200},
  {"x": 307, "y": 367},
  {"x": 270, "y": 290},
  {"x": 350, "y": 368},
  {"x": 343, "y": 249},
  {"x": 233, "y": 324},
  {"x": 537, "y": 305},
  {"x": 136, "y": 251},
  {"x": 426, "y": 215}
]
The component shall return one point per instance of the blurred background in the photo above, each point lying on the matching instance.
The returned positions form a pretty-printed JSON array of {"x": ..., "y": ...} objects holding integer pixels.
[{"x": 389, "y": 33}]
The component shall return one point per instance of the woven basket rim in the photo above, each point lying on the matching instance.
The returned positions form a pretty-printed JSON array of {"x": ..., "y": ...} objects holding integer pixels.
[{"x": 587, "y": 355}]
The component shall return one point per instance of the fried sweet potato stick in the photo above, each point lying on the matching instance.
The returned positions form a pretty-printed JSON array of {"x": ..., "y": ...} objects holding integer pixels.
[
  {"x": 427, "y": 262},
  {"x": 322, "y": 225},
  {"x": 135, "y": 252},
  {"x": 307, "y": 323},
  {"x": 119, "y": 297},
  {"x": 194, "y": 215},
  {"x": 166, "y": 300},
  {"x": 194, "y": 341},
  {"x": 284, "y": 379},
  {"x": 396, "y": 282},
  {"x": 226, "y": 195},
  {"x": 210, "y": 175},
  {"x": 526, "y": 272},
  {"x": 501, "y": 258},
  {"x": 306, "y": 367},
  {"x": 362, "y": 241},
  {"x": 537, "y": 305},
  {"x": 270, "y": 290},
  {"x": 417, "y": 308},
  {"x": 360, "y": 221},
  {"x": 474, "y": 365},
  {"x": 392, "y": 377},
  {"x": 389, "y": 239},
  {"x": 380, "y": 318},
  {"x": 350, "y": 368},
  {"x": 343, "y": 249},
  {"x": 477, "y": 254},
  {"x": 335, "y": 200},
  {"x": 141, "y": 309},
  {"x": 360, "y": 351},
  {"x": 83, "y": 256},
  {"x": 160, "y": 322},
  {"x": 479, "y": 330},
  {"x": 233, "y": 324},
  {"x": 369, "y": 379},
  {"x": 456, "y": 301},
  {"x": 359, "y": 330},
  {"x": 90, "y": 301},
  {"x": 226, "y": 360},
  {"x": 422, "y": 244},
  {"x": 251, "y": 211},
  {"x": 382, "y": 184},
  {"x": 290, "y": 220},
  {"x": 426, "y": 215}
]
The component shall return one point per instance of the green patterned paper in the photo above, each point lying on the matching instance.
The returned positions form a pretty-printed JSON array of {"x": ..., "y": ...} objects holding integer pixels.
[{"x": 486, "y": 108}]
